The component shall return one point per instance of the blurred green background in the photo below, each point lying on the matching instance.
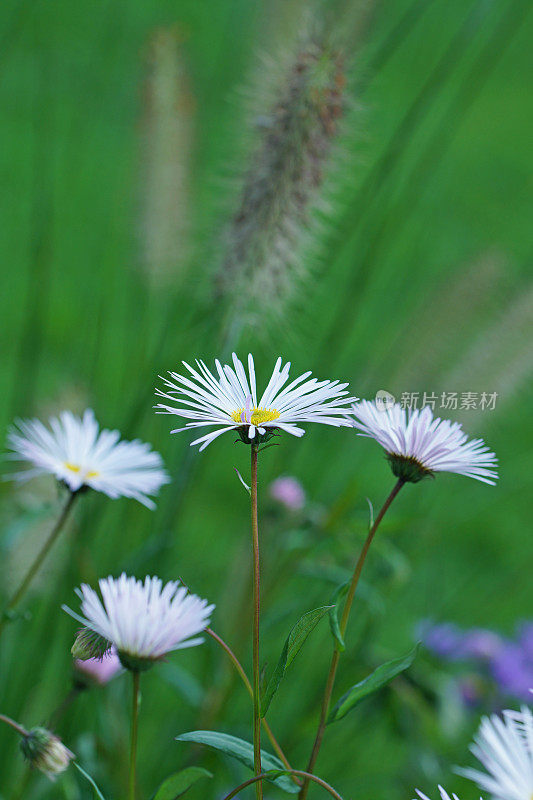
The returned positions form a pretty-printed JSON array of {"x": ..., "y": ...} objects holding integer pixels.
[{"x": 114, "y": 210}]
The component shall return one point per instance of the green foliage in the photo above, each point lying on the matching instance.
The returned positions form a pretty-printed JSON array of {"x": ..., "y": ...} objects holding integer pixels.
[
  {"x": 243, "y": 752},
  {"x": 379, "y": 678},
  {"x": 178, "y": 784},
  {"x": 291, "y": 648}
]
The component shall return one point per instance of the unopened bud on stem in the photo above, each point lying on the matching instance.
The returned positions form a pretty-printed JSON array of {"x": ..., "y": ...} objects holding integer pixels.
[
  {"x": 89, "y": 644},
  {"x": 46, "y": 752}
]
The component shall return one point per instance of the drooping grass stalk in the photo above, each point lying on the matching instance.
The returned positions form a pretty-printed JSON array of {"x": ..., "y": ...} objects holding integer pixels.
[
  {"x": 134, "y": 730},
  {"x": 257, "y": 608},
  {"x": 330, "y": 682},
  {"x": 244, "y": 677},
  {"x": 39, "y": 559},
  {"x": 307, "y": 775}
]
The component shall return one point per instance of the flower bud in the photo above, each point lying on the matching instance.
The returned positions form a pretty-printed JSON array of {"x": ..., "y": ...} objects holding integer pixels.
[
  {"x": 89, "y": 644},
  {"x": 46, "y": 752}
]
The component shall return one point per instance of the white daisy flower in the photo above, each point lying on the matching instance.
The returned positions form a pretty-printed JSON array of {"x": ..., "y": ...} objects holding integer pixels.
[
  {"x": 443, "y": 793},
  {"x": 418, "y": 444},
  {"x": 81, "y": 455},
  {"x": 229, "y": 401},
  {"x": 505, "y": 748},
  {"x": 143, "y": 621}
]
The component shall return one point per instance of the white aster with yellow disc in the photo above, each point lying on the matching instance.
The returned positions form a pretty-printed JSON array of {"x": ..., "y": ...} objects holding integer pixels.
[
  {"x": 228, "y": 400},
  {"x": 78, "y": 453}
]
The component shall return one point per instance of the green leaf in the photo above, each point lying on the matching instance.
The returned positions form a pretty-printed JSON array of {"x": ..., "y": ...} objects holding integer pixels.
[
  {"x": 97, "y": 792},
  {"x": 176, "y": 785},
  {"x": 381, "y": 676},
  {"x": 243, "y": 752},
  {"x": 291, "y": 648},
  {"x": 336, "y": 598}
]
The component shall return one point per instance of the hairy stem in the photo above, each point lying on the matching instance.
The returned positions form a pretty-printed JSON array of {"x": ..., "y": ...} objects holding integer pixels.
[
  {"x": 37, "y": 562},
  {"x": 330, "y": 682},
  {"x": 134, "y": 730},
  {"x": 307, "y": 775},
  {"x": 245, "y": 680},
  {"x": 256, "y": 602}
]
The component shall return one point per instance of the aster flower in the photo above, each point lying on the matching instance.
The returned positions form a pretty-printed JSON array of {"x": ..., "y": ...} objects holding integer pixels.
[
  {"x": 229, "y": 401},
  {"x": 443, "y": 793},
  {"x": 418, "y": 445},
  {"x": 81, "y": 455},
  {"x": 505, "y": 749},
  {"x": 143, "y": 621}
]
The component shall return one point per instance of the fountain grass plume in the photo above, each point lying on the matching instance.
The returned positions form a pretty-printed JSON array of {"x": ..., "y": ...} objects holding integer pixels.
[{"x": 262, "y": 268}]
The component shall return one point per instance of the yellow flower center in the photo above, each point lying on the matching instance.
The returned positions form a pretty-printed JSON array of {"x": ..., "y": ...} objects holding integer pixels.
[
  {"x": 259, "y": 415},
  {"x": 77, "y": 468}
]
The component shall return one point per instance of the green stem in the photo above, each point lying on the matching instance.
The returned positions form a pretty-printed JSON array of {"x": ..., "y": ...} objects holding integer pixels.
[
  {"x": 134, "y": 731},
  {"x": 330, "y": 682},
  {"x": 37, "y": 562},
  {"x": 256, "y": 602},
  {"x": 307, "y": 775},
  {"x": 13, "y": 724},
  {"x": 238, "y": 666}
]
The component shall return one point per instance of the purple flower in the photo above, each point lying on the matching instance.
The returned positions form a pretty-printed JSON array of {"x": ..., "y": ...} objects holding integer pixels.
[
  {"x": 525, "y": 633},
  {"x": 481, "y": 644},
  {"x": 443, "y": 639},
  {"x": 289, "y": 492},
  {"x": 512, "y": 670}
]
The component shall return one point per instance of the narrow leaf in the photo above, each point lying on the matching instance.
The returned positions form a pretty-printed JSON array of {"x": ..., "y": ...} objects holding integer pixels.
[
  {"x": 381, "y": 676},
  {"x": 242, "y": 480},
  {"x": 336, "y": 598},
  {"x": 371, "y": 507},
  {"x": 291, "y": 648},
  {"x": 97, "y": 793},
  {"x": 243, "y": 752},
  {"x": 176, "y": 785}
]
